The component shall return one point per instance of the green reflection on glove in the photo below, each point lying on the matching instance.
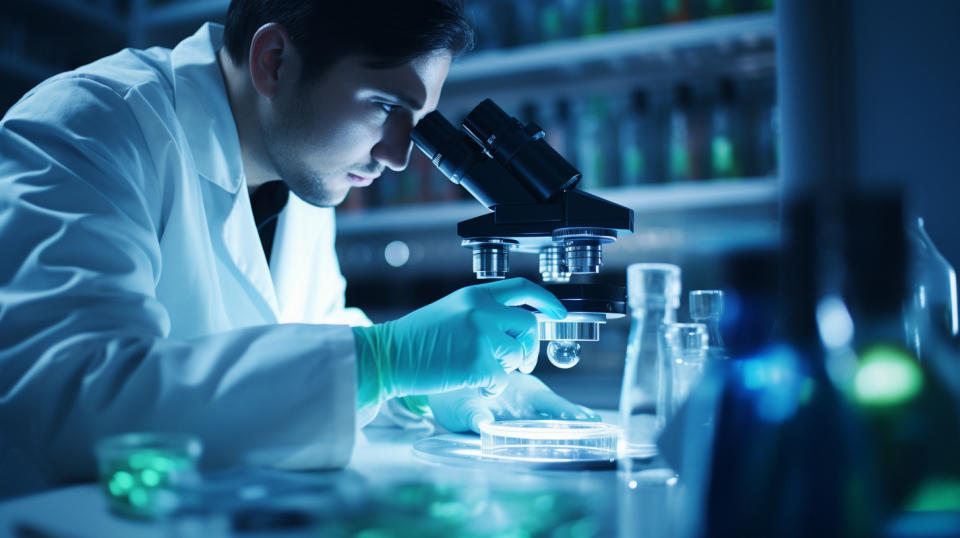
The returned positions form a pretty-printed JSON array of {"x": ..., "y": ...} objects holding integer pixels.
[{"x": 470, "y": 338}]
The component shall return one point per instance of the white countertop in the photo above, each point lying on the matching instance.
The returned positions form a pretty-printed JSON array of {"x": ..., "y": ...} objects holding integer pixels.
[{"x": 382, "y": 459}]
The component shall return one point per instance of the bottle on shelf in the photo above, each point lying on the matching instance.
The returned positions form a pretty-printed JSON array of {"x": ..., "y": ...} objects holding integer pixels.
[
  {"x": 762, "y": 127},
  {"x": 557, "y": 127},
  {"x": 594, "y": 18},
  {"x": 726, "y": 141},
  {"x": 630, "y": 14},
  {"x": 489, "y": 33},
  {"x": 676, "y": 10},
  {"x": 556, "y": 19},
  {"x": 718, "y": 8},
  {"x": 596, "y": 149},
  {"x": 637, "y": 140},
  {"x": 519, "y": 20},
  {"x": 681, "y": 150}
]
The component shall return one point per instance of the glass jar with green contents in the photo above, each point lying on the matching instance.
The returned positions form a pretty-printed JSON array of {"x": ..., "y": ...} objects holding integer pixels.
[{"x": 143, "y": 474}]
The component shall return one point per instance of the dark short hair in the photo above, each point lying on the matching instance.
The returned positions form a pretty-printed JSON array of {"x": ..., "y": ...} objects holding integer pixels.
[{"x": 388, "y": 32}]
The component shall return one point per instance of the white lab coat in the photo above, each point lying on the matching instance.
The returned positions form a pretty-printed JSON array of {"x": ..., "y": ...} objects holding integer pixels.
[{"x": 134, "y": 293}]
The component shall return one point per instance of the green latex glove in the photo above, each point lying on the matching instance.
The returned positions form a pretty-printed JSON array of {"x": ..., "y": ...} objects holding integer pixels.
[
  {"x": 525, "y": 397},
  {"x": 470, "y": 338}
]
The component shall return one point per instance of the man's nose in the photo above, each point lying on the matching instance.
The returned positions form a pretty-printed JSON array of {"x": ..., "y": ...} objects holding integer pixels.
[{"x": 393, "y": 149}]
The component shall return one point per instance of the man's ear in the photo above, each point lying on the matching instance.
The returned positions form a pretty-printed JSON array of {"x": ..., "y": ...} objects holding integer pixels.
[{"x": 271, "y": 55}]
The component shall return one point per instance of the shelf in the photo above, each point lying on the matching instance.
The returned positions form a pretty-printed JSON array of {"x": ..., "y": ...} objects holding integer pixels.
[
  {"x": 566, "y": 53},
  {"x": 409, "y": 217},
  {"x": 708, "y": 196},
  {"x": 692, "y": 196},
  {"x": 84, "y": 13},
  {"x": 25, "y": 69},
  {"x": 185, "y": 11}
]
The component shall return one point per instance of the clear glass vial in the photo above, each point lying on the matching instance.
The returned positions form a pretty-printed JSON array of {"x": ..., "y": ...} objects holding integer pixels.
[
  {"x": 688, "y": 357},
  {"x": 706, "y": 307}
]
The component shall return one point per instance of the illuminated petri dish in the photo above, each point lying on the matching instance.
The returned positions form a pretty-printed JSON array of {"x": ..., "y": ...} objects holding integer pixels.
[{"x": 549, "y": 440}]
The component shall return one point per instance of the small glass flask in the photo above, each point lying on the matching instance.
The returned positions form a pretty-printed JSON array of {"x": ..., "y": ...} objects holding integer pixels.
[
  {"x": 688, "y": 356},
  {"x": 706, "y": 307}
]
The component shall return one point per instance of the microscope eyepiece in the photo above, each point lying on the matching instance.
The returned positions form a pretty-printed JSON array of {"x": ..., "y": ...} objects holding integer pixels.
[
  {"x": 521, "y": 150},
  {"x": 446, "y": 146}
]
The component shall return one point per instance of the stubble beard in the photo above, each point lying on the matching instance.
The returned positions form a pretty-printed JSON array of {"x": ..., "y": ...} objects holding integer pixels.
[{"x": 281, "y": 141}]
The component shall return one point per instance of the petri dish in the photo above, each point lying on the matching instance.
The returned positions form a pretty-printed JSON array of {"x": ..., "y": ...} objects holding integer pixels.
[
  {"x": 142, "y": 473},
  {"x": 549, "y": 440}
]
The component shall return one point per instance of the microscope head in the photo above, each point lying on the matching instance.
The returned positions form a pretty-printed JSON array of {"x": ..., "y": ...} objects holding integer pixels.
[{"x": 535, "y": 208}]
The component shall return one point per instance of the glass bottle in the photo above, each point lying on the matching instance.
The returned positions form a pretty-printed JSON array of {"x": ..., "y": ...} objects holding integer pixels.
[
  {"x": 676, "y": 10},
  {"x": 687, "y": 345},
  {"x": 724, "y": 133},
  {"x": 932, "y": 308},
  {"x": 595, "y": 147},
  {"x": 636, "y": 136},
  {"x": 706, "y": 307},
  {"x": 907, "y": 408},
  {"x": 653, "y": 292},
  {"x": 680, "y": 151}
]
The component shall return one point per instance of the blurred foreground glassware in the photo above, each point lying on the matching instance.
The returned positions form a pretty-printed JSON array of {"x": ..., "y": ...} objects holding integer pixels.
[
  {"x": 688, "y": 357},
  {"x": 653, "y": 293},
  {"x": 706, "y": 307},
  {"x": 141, "y": 473},
  {"x": 932, "y": 309}
]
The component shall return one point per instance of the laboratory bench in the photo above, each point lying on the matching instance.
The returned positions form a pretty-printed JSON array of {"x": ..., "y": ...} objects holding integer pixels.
[{"x": 385, "y": 486}]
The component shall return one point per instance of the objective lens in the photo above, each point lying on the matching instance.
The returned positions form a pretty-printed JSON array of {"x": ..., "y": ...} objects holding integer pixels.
[
  {"x": 553, "y": 267},
  {"x": 563, "y": 353},
  {"x": 490, "y": 256}
]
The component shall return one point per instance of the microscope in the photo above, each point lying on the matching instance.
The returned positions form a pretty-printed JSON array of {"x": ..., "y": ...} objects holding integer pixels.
[{"x": 535, "y": 208}]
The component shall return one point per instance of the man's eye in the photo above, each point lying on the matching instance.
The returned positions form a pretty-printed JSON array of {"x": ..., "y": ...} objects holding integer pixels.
[{"x": 388, "y": 108}]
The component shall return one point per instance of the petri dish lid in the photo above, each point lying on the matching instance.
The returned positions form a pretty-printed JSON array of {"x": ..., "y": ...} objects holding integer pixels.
[{"x": 549, "y": 440}]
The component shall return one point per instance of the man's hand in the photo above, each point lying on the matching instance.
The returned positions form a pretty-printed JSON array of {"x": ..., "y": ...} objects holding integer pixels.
[
  {"x": 525, "y": 397},
  {"x": 470, "y": 338}
]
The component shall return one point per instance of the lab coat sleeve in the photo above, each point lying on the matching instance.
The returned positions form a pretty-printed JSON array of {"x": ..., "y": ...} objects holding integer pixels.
[{"x": 84, "y": 351}]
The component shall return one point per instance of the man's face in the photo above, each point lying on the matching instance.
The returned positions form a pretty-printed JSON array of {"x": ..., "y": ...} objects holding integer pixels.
[{"x": 343, "y": 128}]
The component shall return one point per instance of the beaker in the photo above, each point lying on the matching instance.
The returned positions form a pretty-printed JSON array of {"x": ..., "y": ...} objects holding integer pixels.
[{"x": 653, "y": 293}]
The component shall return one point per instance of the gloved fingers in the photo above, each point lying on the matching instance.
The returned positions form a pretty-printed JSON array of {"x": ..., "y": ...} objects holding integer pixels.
[
  {"x": 460, "y": 410},
  {"x": 530, "y": 359},
  {"x": 472, "y": 413},
  {"x": 495, "y": 385},
  {"x": 549, "y": 404},
  {"x": 508, "y": 351},
  {"x": 522, "y": 326},
  {"x": 519, "y": 291}
]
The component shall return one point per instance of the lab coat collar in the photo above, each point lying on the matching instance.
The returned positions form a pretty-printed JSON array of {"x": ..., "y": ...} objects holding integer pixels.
[{"x": 203, "y": 108}]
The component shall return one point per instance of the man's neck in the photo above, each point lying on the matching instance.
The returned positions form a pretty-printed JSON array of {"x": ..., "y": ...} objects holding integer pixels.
[{"x": 243, "y": 104}]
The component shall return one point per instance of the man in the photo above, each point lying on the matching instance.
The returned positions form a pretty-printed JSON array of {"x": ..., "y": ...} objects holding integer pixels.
[{"x": 135, "y": 293}]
